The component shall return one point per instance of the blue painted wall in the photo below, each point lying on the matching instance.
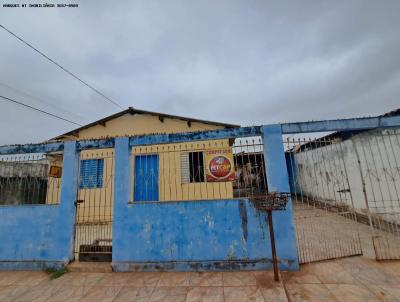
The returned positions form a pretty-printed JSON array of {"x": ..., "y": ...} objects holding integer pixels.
[
  {"x": 32, "y": 237},
  {"x": 204, "y": 235},
  {"x": 194, "y": 234},
  {"x": 187, "y": 235},
  {"x": 41, "y": 236}
]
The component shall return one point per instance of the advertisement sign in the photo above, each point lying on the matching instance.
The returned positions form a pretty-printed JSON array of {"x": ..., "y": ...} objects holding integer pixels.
[{"x": 219, "y": 165}]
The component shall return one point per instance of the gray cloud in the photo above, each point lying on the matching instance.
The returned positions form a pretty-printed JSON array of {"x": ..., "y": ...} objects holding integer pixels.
[{"x": 246, "y": 62}]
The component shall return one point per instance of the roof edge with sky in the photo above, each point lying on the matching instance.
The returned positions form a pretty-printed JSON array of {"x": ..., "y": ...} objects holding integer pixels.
[{"x": 132, "y": 111}]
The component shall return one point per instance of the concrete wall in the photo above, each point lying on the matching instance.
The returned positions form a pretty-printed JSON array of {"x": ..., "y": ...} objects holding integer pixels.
[
  {"x": 194, "y": 235},
  {"x": 326, "y": 172},
  {"x": 41, "y": 236},
  {"x": 202, "y": 235},
  {"x": 208, "y": 235},
  {"x": 33, "y": 237}
]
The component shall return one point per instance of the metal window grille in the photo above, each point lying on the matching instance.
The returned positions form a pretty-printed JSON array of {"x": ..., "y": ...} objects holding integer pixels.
[
  {"x": 91, "y": 173},
  {"x": 196, "y": 166},
  {"x": 192, "y": 167},
  {"x": 182, "y": 171},
  {"x": 250, "y": 173}
]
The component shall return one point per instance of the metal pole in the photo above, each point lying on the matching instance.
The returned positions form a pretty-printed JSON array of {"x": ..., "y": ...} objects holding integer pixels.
[{"x": 273, "y": 249}]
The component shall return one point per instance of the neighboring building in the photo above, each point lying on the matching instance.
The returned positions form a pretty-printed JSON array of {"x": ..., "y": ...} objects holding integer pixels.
[
  {"x": 30, "y": 180},
  {"x": 357, "y": 169},
  {"x": 23, "y": 182}
]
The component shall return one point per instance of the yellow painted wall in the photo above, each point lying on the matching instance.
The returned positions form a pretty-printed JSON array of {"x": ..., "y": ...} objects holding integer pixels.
[
  {"x": 53, "y": 184},
  {"x": 97, "y": 205},
  {"x": 98, "y": 202},
  {"x": 138, "y": 124},
  {"x": 170, "y": 186}
]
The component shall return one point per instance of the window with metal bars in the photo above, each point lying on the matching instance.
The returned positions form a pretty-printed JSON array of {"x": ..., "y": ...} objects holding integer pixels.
[
  {"x": 91, "y": 173},
  {"x": 192, "y": 167}
]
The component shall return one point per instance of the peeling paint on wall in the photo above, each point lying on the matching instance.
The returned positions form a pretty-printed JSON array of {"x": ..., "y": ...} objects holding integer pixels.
[
  {"x": 193, "y": 232},
  {"x": 243, "y": 218},
  {"x": 41, "y": 236}
]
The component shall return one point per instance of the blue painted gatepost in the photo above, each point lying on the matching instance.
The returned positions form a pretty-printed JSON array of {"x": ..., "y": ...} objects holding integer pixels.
[{"x": 177, "y": 235}]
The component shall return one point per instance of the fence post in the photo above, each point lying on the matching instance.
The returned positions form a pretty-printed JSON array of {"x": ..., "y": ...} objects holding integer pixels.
[
  {"x": 278, "y": 181},
  {"x": 122, "y": 191},
  {"x": 69, "y": 187}
]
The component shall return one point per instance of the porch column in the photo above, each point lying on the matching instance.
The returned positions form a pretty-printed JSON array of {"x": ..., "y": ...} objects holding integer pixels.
[
  {"x": 278, "y": 181},
  {"x": 68, "y": 196},
  {"x": 122, "y": 191}
]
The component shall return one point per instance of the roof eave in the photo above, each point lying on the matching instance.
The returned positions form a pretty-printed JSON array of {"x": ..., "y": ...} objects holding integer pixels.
[{"x": 132, "y": 111}]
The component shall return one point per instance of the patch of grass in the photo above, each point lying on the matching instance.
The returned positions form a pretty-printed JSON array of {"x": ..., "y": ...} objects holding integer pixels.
[{"x": 56, "y": 273}]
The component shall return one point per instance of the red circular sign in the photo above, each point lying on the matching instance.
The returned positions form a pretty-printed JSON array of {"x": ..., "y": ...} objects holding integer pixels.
[{"x": 220, "y": 166}]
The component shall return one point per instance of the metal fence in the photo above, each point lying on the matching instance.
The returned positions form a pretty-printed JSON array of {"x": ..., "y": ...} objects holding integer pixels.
[
  {"x": 321, "y": 198},
  {"x": 346, "y": 187},
  {"x": 378, "y": 157},
  {"x": 94, "y": 212},
  {"x": 250, "y": 173},
  {"x": 30, "y": 179},
  {"x": 220, "y": 169}
]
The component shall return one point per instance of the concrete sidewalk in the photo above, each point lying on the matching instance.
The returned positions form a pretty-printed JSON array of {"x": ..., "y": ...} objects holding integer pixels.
[{"x": 348, "y": 279}]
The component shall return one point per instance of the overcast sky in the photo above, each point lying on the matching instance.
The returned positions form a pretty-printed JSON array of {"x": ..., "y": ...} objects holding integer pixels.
[{"x": 243, "y": 62}]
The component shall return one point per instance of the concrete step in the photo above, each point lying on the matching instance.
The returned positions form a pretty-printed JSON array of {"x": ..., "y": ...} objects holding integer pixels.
[{"x": 90, "y": 267}]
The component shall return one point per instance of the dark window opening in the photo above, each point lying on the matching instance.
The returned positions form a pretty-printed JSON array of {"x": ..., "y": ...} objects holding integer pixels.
[
  {"x": 250, "y": 174},
  {"x": 196, "y": 166}
]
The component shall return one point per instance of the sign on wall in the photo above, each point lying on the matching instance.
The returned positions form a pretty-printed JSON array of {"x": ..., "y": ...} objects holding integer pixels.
[
  {"x": 219, "y": 165},
  {"x": 55, "y": 171}
]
